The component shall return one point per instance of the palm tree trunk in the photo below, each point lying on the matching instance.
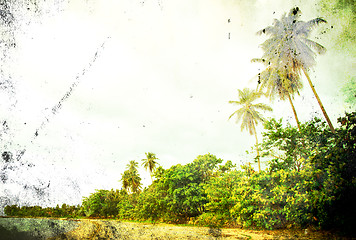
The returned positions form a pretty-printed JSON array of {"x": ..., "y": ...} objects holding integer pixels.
[
  {"x": 295, "y": 112},
  {"x": 319, "y": 101},
  {"x": 258, "y": 153}
]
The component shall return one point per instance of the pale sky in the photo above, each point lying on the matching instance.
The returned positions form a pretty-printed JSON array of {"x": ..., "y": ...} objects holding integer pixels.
[{"x": 161, "y": 84}]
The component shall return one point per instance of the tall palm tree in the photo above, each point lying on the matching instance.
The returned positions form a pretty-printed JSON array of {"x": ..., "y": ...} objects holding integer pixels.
[
  {"x": 279, "y": 82},
  {"x": 249, "y": 114},
  {"x": 289, "y": 47},
  {"x": 149, "y": 162},
  {"x": 130, "y": 179}
]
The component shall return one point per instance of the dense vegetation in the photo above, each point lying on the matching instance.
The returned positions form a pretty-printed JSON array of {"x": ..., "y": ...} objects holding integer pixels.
[
  {"x": 309, "y": 175},
  {"x": 310, "y": 181}
]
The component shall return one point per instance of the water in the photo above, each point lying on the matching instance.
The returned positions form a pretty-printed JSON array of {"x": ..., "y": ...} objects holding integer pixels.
[{"x": 31, "y": 228}]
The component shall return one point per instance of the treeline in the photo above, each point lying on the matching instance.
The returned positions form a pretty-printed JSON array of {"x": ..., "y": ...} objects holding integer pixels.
[
  {"x": 310, "y": 181},
  {"x": 64, "y": 211}
]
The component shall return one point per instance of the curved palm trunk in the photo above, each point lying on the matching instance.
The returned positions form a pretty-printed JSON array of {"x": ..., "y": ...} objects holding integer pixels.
[
  {"x": 295, "y": 112},
  {"x": 258, "y": 153},
  {"x": 319, "y": 101}
]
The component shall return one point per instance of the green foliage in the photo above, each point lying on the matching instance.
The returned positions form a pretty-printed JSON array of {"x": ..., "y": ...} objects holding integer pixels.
[
  {"x": 38, "y": 211},
  {"x": 204, "y": 166},
  {"x": 185, "y": 188},
  {"x": 334, "y": 178},
  {"x": 93, "y": 204},
  {"x": 228, "y": 166},
  {"x": 131, "y": 179},
  {"x": 104, "y": 203},
  {"x": 126, "y": 206},
  {"x": 328, "y": 171},
  {"x": 151, "y": 203},
  {"x": 213, "y": 220},
  {"x": 289, "y": 147},
  {"x": 219, "y": 193},
  {"x": 271, "y": 200},
  {"x": 149, "y": 163},
  {"x": 248, "y": 113},
  {"x": 178, "y": 193},
  {"x": 159, "y": 172},
  {"x": 318, "y": 190}
]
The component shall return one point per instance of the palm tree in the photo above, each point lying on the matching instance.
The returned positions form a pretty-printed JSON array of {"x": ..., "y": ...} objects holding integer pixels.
[
  {"x": 149, "y": 162},
  {"x": 132, "y": 166},
  {"x": 130, "y": 179},
  {"x": 281, "y": 82},
  {"x": 249, "y": 113},
  {"x": 289, "y": 47},
  {"x": 125, "y": 180}
]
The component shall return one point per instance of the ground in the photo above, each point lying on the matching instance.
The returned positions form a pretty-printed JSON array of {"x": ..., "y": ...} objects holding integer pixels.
[{"x": 112, "y": 229}]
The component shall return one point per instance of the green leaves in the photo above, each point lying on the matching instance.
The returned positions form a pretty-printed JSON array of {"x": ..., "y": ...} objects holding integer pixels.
[
  {"x": 102, "y": 203},
  {"x": 311, "y": 181},
  {"x": 334, "y": 178},
  {"x": 179, "y": 192},
  {"x": 288, "y": 147},
  {"x": 149, "y": 163},
  {"x": 130, "y": 179},
  {"x": 248, "y": 113},
  {"x": 270, "y": 200}
]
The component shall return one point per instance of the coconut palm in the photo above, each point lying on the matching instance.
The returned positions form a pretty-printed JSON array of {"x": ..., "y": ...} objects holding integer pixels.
[
  {"x": 125, "y": 180},
  {"x": 289, "y": 47},
  {"x": 149, "y": 162},
  {"x": 282, "y": 83},
  {"x": 132, "y": 166},
  {"x": 249, "y": 114},
  {"x": 130, "y": 179}
]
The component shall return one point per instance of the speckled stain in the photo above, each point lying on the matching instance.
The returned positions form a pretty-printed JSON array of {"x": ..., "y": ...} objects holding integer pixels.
[
  {"x": 10, "y": 163},
  {"x": 11, "y": 153}
]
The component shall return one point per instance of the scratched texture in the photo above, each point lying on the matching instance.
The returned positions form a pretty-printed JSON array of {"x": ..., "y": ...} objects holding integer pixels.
[{"x": 23, "y": 180}]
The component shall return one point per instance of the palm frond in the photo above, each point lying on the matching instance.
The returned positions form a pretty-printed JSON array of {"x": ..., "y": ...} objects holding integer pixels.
[
  {"x": 304, "y": 55},
  {"x": 314, "y": 22},
  {"x": 248, "y": 113},
  {"x": 238, "y": 114},
  {"x": 258, "y": 60},
  {"x": 270, "y": 30},
  {"x": 304, "y": 29},
  {"x": 320, "y": 49},
  {"x": 235, "y": 102},
  {"x": 256, "y": 117},
  {"x": 262, "y": 106}
]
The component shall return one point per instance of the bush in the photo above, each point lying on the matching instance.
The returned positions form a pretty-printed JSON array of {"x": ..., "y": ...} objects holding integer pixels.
[
  {"x": 272, "y": 200},
  {"x": 214, "y": 220},
  {"x": 334, "y": 179}
]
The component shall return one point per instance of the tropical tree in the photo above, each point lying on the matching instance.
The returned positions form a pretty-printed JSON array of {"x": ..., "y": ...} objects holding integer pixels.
[
  {"x": 279, "y": 82},
  {"x": 289, "y": 47},
  {"x": 150, "y": 163},
  {"x": 130, "y": 179},
  {"x": 132, "y": 166},
  {"x": 249, "y": 113}
]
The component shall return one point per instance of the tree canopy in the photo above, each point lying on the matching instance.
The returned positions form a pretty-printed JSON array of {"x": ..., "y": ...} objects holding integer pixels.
[{"x": 249, "y": 114}]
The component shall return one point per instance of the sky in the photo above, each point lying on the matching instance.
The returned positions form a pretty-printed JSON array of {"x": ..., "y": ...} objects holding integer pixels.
[{"x": 164, "y": 73}]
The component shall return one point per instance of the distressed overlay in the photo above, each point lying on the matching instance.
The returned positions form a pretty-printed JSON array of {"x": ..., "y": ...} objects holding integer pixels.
[{"x": 113, "y": 80}]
